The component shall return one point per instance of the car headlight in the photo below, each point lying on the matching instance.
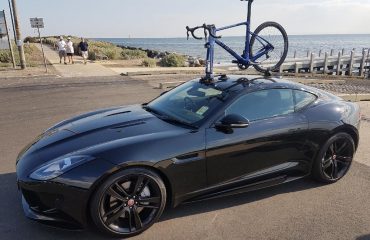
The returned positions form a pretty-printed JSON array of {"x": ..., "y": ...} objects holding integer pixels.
[{"x": 57, "y": 167}]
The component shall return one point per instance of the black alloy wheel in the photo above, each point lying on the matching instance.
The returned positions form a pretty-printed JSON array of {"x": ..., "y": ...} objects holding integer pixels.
[
  {"x": 335, "y": 158},
  {"x": 129, "y": 202}
]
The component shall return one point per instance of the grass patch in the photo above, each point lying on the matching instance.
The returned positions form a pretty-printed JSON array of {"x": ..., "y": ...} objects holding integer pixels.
[{"x": 32, "y": 53}]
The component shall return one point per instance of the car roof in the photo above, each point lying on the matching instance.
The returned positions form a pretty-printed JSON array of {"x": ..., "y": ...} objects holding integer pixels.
[{"x": 237, "y": 83}]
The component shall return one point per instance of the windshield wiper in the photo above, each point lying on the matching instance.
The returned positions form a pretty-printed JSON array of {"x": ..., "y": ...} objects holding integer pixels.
[
  {"x": 178, "y": 121},
  {"x": 168, "y": 118}
]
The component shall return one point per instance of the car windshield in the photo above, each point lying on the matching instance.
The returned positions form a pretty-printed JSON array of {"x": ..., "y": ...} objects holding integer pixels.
[{"x": 189, "y": 104}]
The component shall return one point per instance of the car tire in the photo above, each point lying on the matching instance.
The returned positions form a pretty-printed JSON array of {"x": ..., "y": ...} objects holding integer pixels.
[
  {"x": 334, "y": 158},
  {"x": 128, "y": 202}
]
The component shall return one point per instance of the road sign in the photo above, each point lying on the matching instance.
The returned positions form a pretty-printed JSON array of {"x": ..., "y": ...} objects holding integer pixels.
[
  {"x": 3, "y": 30},
  {"x": 37, "y": 22}
]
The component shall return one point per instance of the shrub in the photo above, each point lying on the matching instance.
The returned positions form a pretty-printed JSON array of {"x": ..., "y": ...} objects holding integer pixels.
[
  {"x": 111, "y": 53},
  {"x": 5, "y": 56},
  {"x": 92, "y": 56},
  {"x": 173, "y": 60},
  {"x": 31, "y": 40},
  {"x": 128, "y": 54},
  {"x": 149, "y": 62}
]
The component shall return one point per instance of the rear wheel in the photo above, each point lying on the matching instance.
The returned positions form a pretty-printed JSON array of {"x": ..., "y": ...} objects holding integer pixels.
[
  {"x": 128, "y": 202},
  {"x": 334, "y": 159},
  {"x": 272, "y": 35}
]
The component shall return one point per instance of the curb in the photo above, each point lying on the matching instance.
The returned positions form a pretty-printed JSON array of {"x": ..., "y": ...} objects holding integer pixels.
[
  {"x": 30, "y": 76},
  {"x": 355, "y": 97}
]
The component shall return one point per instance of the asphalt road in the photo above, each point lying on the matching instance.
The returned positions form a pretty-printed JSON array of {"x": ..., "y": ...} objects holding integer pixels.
[{"x": 297, "y": 210}]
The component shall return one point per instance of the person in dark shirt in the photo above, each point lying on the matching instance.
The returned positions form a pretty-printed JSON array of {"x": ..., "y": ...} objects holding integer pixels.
[{"x": 84, "y": 48}]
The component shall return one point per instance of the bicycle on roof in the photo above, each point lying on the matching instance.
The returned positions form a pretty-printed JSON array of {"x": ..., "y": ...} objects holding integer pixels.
[{"x": 265, "y": 49}]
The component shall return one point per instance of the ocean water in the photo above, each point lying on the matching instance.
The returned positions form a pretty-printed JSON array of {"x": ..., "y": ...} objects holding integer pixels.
[
  {"x": 4, "y": 43},
  {"x": 301, "y": 44}
]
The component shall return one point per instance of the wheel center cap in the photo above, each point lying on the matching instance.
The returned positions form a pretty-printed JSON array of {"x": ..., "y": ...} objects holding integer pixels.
[{"x": 131, "y": 202}]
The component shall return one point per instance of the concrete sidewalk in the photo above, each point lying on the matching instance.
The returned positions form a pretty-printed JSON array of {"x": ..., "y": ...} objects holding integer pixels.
[{"x": 78, "y": 69}]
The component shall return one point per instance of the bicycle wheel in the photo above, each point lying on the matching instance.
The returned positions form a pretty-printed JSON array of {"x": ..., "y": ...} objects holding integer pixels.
[{"x": 274, "y": 34}]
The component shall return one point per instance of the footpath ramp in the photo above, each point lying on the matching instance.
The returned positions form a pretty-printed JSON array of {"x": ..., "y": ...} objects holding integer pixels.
[{"x": 78, "y": 69}]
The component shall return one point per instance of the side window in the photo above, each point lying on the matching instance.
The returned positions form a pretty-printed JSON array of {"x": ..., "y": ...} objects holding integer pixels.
[
  {"x": 303, "y": 99},
  {"x": 263, "y": 104}
]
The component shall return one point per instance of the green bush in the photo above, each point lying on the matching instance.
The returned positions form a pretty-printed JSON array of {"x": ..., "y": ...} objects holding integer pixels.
[
  {"x": 92, "y": 56},
  {"x": 31, "y": 40},
  {"x": 149, "y": 62},
  {"x": 128, "y": 54},
  {"x": 173, "y": 60},
  {"x": 5, "y": 56},
  {"x": 111, "y": 53}
]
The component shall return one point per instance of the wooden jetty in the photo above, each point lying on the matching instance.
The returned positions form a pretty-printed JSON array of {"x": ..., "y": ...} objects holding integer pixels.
[{"x": 327, "y": 63}]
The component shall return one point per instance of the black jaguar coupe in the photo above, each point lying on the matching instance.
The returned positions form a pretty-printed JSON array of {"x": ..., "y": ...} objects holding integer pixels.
[{"x": 118, "y": 168}]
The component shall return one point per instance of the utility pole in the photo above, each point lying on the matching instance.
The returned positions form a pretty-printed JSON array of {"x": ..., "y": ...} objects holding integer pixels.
[
  {"x": 9, "y": 42},
  {"x": 12, "y": 19},
  {"x": 19, "y": 38}
]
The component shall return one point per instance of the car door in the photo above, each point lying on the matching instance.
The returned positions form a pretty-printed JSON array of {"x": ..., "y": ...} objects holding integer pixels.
[{"x": 273, "y": 141}]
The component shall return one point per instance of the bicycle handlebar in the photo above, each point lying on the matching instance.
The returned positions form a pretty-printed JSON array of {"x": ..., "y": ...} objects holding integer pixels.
[{"x": 207, "y": 30}]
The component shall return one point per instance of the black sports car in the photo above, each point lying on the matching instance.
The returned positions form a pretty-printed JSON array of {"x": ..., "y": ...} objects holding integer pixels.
[{"x": 119, "y": 167}]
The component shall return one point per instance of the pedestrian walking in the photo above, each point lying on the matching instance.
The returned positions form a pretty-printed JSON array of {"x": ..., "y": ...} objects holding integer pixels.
[
  {"x": 83, "y": 46},
  {"x": 70, "y": 50},
  {"x": 62, "y": 50}
]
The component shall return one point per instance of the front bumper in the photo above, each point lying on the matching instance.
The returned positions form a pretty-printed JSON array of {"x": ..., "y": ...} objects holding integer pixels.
[{"x": 54, "y": 204}]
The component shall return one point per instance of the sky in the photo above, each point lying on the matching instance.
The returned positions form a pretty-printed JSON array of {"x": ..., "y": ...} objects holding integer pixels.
[{"x": 168, "y": 18}]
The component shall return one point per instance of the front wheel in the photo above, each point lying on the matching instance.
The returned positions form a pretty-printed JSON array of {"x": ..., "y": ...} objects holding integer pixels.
[
  {"x": 128, "y": 202},
  {"x": 269, "y": 47}
]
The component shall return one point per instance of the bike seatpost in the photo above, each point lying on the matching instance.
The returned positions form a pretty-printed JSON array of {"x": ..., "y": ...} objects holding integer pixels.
[{"x": 249, "y": 9}]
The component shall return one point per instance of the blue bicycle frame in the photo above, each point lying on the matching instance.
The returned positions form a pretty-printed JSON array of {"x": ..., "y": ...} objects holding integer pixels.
[{"x": 245, "y": 59}]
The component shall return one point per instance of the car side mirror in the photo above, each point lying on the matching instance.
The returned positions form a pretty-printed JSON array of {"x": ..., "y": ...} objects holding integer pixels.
[{"x": 232, "y": 121}]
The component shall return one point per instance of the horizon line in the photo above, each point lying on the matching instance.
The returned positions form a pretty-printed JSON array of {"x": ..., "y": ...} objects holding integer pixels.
[{"x": 318, "y": 34}]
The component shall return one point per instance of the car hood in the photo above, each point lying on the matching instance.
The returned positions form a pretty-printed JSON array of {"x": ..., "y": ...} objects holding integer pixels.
[{"x": 92, "y": 129}]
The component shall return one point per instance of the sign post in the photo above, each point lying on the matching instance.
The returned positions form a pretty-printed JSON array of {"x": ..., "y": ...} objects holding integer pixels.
[
  {"x": 39, "y": 23},
  {"x": 4, "y": 31}
]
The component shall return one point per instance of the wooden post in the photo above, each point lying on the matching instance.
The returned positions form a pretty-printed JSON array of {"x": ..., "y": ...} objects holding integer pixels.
[
  {"x": 362, "y": 65},
  {"x": 350, "y": 68},
  {"x": 295, "y": 53},
  {"x": 281, "y": 69},
  {"x": 308, "y": 53},
  {"x": 296, "y": 69},
  {"x": 343, "y": 52},
  {"x": 311, "y": 62},
  {"x": 332, "y": 52},
  {"x": 338, "y": 63},
  {"x": 326, "y": 63},
  {"x": 320, "y": 53}
]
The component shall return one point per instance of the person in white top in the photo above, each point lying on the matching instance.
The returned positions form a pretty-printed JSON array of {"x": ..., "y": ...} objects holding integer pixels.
[
  {"x": 62, "y": 49},
  {"x": 70, "y": 50}
]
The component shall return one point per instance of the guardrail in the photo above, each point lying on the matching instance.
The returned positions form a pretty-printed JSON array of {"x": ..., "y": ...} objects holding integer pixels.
[{"x": 350, "y": 65}]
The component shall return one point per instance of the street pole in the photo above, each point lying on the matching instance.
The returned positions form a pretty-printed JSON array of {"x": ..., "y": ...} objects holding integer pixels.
[
  {"x": 11, "y": 18},
  {"x": 9, "y": 42},
  {"x": 19, "y": 38},
  {"x": 42, "y": 49}
]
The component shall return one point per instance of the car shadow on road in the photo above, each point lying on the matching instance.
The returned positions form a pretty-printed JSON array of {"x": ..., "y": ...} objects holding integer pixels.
[
  {"x": 14, "y": 225},
  {"x": 240, "y": 199}
]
